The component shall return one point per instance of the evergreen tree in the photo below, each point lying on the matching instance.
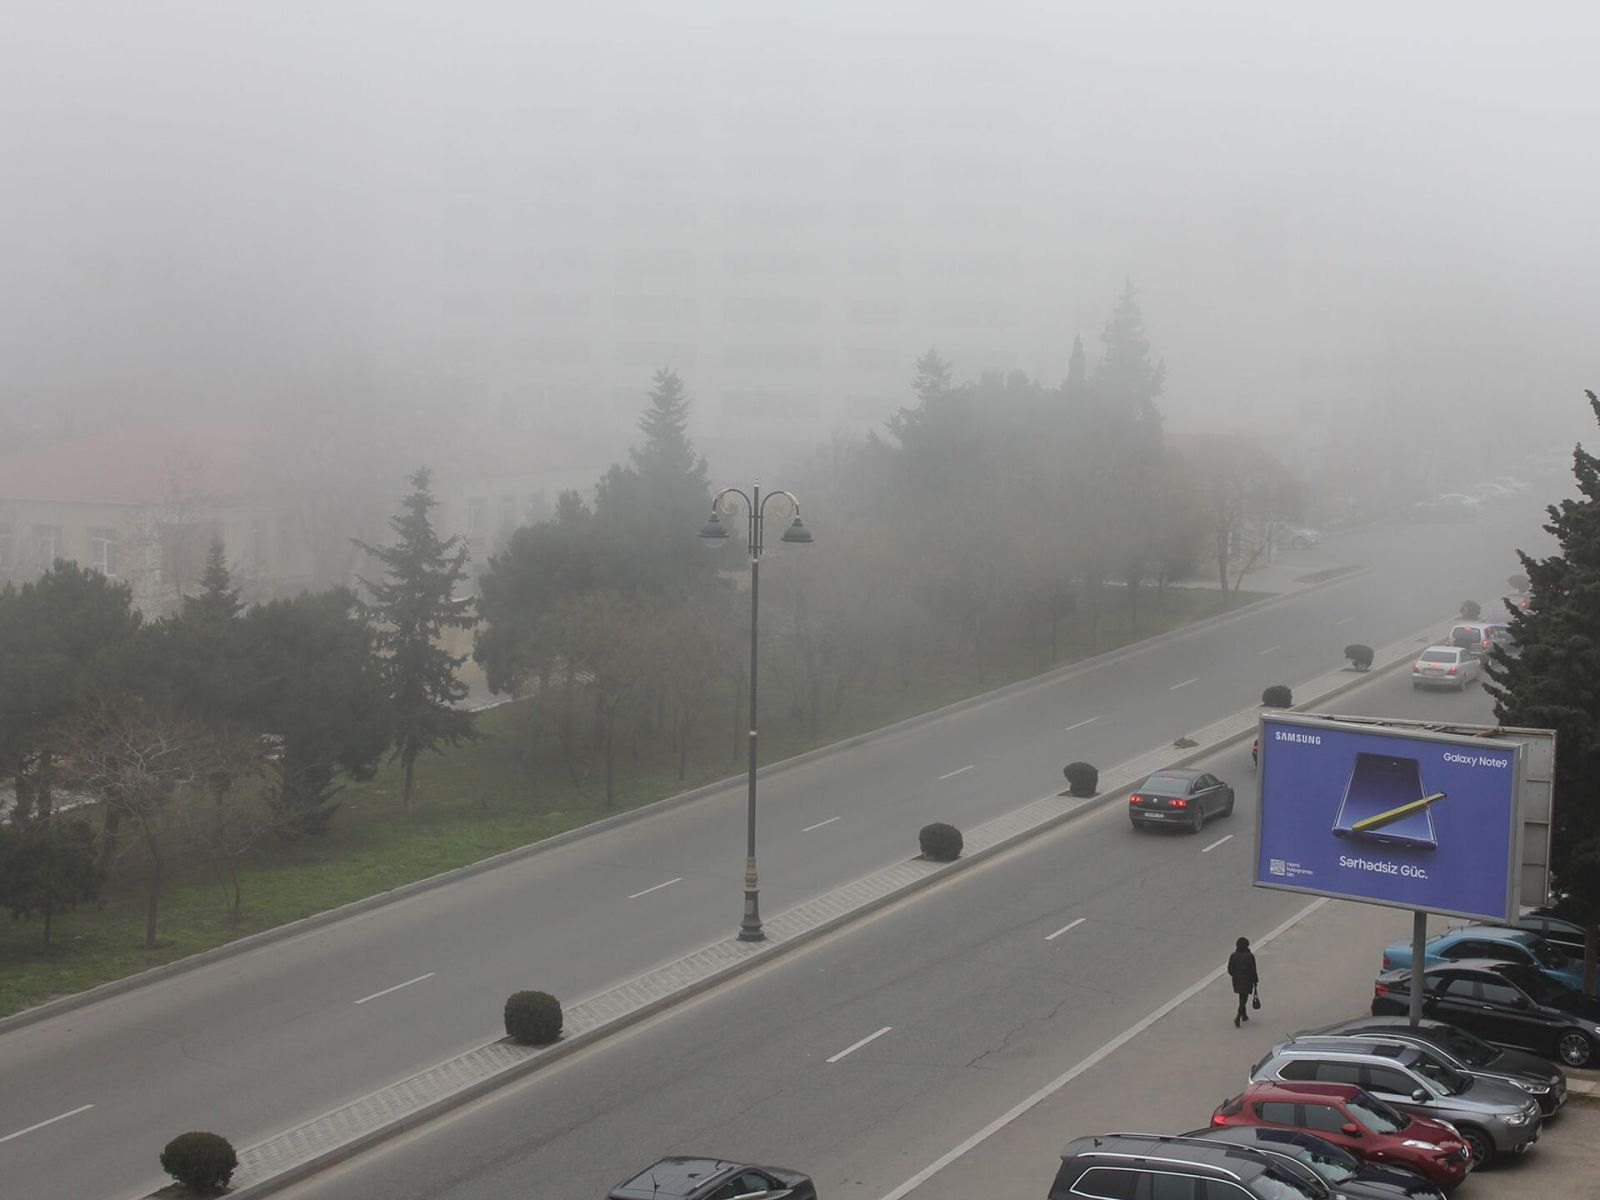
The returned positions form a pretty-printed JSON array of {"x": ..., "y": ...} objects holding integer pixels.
[
  {"x": 218, "y": 601},
  {"x": 1127, "y": 379},
  {"x": 932, "y": 376},
  {"x": 47, "y": 866},
  {"x": 202, "y": 659},
  {"x": 1550, "y": 684},
  {"x": 1076, "y": 384},
  {"x": 415, "y": 604}
]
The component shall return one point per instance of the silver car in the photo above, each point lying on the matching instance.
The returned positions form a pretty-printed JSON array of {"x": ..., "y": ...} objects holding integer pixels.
[
  {"x": 1445, "y": 666},
  {"x": 1492, "y": 1117}
]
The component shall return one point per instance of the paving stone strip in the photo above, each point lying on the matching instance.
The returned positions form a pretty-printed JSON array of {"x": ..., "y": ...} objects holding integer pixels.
[{"x": 296, "y": 1153}]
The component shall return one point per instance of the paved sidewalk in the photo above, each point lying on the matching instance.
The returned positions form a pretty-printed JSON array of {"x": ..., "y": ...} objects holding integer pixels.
[
  {"x": 296, "y": 1153},
  {"x": 1171, "y": 1076}
]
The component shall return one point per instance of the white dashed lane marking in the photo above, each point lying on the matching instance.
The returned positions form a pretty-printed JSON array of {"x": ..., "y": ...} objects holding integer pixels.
[{"x": 871, "y": 1037}]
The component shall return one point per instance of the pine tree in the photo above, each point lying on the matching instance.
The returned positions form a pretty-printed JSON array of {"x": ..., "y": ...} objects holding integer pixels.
[
  {"x": 218, "y": 601},
  {"x": 1127, "y": 378},
  {"x": 414, "y": 605},
  {"x": 1549, "y": 684},
  {"x": 932, "y": 377}
]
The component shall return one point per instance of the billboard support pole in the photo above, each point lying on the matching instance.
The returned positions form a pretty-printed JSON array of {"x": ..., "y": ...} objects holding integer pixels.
[{"x": 1419, "y": 941}]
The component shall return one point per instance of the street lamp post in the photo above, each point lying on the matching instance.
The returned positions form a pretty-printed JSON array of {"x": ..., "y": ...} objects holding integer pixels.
[{"x": 715, "y": 532}]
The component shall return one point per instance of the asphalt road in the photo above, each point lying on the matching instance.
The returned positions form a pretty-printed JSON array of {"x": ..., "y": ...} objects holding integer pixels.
[
  {"x": 254, "y": 1044},
  {"x": 972, "y": 997}
]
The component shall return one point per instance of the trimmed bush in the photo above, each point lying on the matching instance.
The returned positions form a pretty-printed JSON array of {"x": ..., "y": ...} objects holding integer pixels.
[
  {"x": 1518, "y": 583},
  {"x": 1360, "y": 656},
  {"x": 940, "y": 842},
  {"x": 1083, "y": 779},
  {"x": 1470, "y": 610},
  {"x": 1278, "y": 696},
  {"x": 202, "y": 1162},
  {"x": 533, "y": 1018}
]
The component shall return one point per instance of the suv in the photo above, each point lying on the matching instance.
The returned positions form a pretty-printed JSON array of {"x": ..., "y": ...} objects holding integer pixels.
[
  {"x": 1445, "y": 666},
  {"x": 1479, "y": 637},
  {"x": 1492, "y": 1117},
  {"x": 1117, "y": 1166},
  {"x": 1464, "y": 1051},
  {"x": 1360, "y": 1123},
  {"x": 713, "y": 1179},
  {"x": 1342, "y": 1171}
]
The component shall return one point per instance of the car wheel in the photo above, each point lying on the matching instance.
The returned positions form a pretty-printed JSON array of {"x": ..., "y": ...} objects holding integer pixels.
[
  {"x": 1199, "y": 822},
  {"x": 1478, "y": 1141},
  {"x": 1227, "y": 809},
  {"x": 1574, "y": 1048}
]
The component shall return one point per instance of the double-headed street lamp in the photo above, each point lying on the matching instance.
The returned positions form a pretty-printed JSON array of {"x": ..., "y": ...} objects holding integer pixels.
[{"x": 715, "y": 532}]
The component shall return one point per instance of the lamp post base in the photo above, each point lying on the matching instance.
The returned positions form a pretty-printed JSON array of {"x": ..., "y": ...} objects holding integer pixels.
[{"x": 750, "y": 927}]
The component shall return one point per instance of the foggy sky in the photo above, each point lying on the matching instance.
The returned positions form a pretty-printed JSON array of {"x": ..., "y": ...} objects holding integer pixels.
[{"x": 214, "y": 206}]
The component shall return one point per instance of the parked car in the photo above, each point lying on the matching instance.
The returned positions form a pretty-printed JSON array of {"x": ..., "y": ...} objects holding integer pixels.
[
  {"x": 1494, "y": 1118},
  {"x": 1355, "y": 1121},
  {"x": 1115, "y": 1166},
  {"x": 1445, "y": 666},
  {"x": 1505, "y": 1003},
  {"x": 1566, "y": 936},
  {"x": 714, "y": 1179},
  {"x": 1342, "y": 1171},
  {"x": 1183, "y": 798},
  {"x": 1465, "y": 1051},
  {"x": 1491, "y": 941},
  {"x": 1299, "y": 538}
]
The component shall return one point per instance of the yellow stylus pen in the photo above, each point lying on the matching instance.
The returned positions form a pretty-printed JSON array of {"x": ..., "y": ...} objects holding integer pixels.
[{"x": 1379, "y": 820}]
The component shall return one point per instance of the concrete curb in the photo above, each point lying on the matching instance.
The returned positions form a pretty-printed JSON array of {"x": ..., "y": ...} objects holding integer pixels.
[
  {"x": 1218, "y": 735},
  {"x": 278, "y": 933}
]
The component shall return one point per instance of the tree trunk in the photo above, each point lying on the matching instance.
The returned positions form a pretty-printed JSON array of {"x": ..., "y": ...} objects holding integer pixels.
[
  {"x": 108, "y": 836},
  {"x": 23, "y": 782},
  {"x": 409, "y": 757},
  {"x": 609, "y": 736},
  {"x": 44, "y": 800},
  {"x": 49, "y": 912},
  {"x": 1222, "y": 566},
  {"x": 152, "y": 900}
]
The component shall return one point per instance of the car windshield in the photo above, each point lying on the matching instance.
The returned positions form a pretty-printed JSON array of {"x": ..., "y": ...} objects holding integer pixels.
[
  {"x": 1536, "y": 985},
  {"x": 1468, "y": 1047},
  {"x": 1545, "y": 954},
  {"x": 1332, "y": 1163},
  {"x": 1276, "y": 1183},
  {"x": 1166, "y": 783},
  {"x": 1439, "y": 656},
  {"x": 1375, "y": 1114},
  {"x": 1448, "y": 1078}
]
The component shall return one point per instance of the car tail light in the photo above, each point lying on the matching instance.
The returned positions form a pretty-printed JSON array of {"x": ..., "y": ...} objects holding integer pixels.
[
  {"x": 1135, "y": 799},
  {"x": 1218, "y": 1119},
  {"x": 1379, "y": 989},
  {"x": 1387, "y": 965},
  {"x": 1452, "y": 670},
  {"x": 1178, "y": 802}
]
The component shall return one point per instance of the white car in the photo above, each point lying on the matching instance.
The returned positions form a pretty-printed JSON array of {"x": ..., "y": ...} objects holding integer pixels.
[
  {"x": 1445, "y": 666},
  {"x": 1299, "y": 539}
]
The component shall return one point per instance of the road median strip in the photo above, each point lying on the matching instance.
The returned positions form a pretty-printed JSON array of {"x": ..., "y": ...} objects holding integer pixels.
[{"x": 279, "y": 1161}]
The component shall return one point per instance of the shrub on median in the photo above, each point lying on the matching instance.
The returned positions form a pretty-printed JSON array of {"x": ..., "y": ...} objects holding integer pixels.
[
  {"x": 202, "y": 1162},
  {"x": 533, "y": 1018},
  {"x": 1360, "y": 656},
  {"x": 940, "y": 842},
  {"x": 1471, "y": 610},
  {"x": 1083, "y": 779},
  {"x": 1278, "y": 696}
]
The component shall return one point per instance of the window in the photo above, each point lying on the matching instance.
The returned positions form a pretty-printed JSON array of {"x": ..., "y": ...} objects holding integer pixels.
[
  {"x": 1456, "y": 987},
  {"x": 802, "y": 310},
  {"x": 1161, "y": 1186},
  {"x": 1323, "y": 1118},
  {"x": 1502, "y": 994},
  {"x": 655, "y": 354},
  {"x": 508, "y": 513},
  {"x": 1277, "y": 1112},
  {"x": 1390, "y": 1081},
  {"x": 1468, "y": 948},
  {"x": 781, "y": 358},
  {"x": 103, "y": 551},
  {"x": 1375, "y": 1114},
  {"x": 477, "y": 516},
  {"x": 1302, "y": 1068},
  {"x": 47, "y": 545},
  {"x": 1107, "y": 1183},
  {"x": 872, "y": 358},
  {"x": 748, "y": 1183},
  {"x": 1338, "y": 1072}
]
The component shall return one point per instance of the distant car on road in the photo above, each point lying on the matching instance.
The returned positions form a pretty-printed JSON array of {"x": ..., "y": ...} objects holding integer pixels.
[
  {"x": 1355, "y": 1121},
  {"x": 1478, "y": 637},
  {"x": 1452, "y": 506},
  {"x": 1299, "y": 538},
  {"x": 1445, "y": 666},
  {"x": 1491, "y": 941},
  {"x": 1505, "y": 1003},
  {"x": 714, "y": 1179},
  {"x": 1179, "y": 797}
]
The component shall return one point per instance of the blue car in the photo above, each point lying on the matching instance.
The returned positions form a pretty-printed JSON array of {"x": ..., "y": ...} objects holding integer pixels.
[{"x": 1497, "y": 942}]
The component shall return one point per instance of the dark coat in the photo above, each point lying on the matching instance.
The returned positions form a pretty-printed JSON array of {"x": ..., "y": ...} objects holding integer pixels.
[{"x": 1242, "y": 970}]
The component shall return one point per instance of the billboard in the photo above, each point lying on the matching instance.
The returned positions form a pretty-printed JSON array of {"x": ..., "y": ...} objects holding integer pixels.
[{"x": 1410, "y": 818}]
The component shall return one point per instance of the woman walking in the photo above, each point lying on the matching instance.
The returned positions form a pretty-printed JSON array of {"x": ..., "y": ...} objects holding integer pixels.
[{"x": 1242, "y": 970}]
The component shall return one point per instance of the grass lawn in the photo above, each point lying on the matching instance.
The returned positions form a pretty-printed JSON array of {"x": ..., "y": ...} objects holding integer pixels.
[{"x": 472, "y": 802}]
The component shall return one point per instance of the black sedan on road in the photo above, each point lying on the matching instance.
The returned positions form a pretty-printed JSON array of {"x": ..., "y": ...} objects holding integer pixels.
[
  {"x": 714, "y": 1179},
  {"x": 1186, "y": 799},
  {"x": 1509, "y": 1004}
]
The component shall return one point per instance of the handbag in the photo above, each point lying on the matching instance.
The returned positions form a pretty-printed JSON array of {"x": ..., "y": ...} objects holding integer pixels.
[{"x": 1255, "y": 997}]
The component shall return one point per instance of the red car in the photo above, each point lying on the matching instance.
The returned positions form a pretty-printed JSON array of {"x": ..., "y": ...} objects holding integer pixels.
[{"x": 1360, "y": 1123}]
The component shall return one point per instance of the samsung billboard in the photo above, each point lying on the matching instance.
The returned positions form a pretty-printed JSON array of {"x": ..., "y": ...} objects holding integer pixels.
[{"x": 1409, "y": 818}]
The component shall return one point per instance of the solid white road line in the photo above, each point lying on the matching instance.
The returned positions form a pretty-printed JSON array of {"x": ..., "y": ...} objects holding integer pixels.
[
  {"x": 961, "y": 771},
  {"x": 1217, "y": 843},
  {"x": 395, "y": 988},
  {"x": 1069, "y": 925},
  {"x": 1344, "y": 620},
  {"x": 871, "y": 1037},
  {"x": 1081, "y": 724},
  {"x": 1269, "y": 650},
  {"x": 657, "y": 888},
  {"x": 1061, "y": 1081},
  {"x": 819, "y": 824},
  {"x": 1185, "y": 683},
  {"x": 51, "y": 1121}
]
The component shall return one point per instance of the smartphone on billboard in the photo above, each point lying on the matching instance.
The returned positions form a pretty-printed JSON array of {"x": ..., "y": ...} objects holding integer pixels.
[{"x": 1384, "y": 802}]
